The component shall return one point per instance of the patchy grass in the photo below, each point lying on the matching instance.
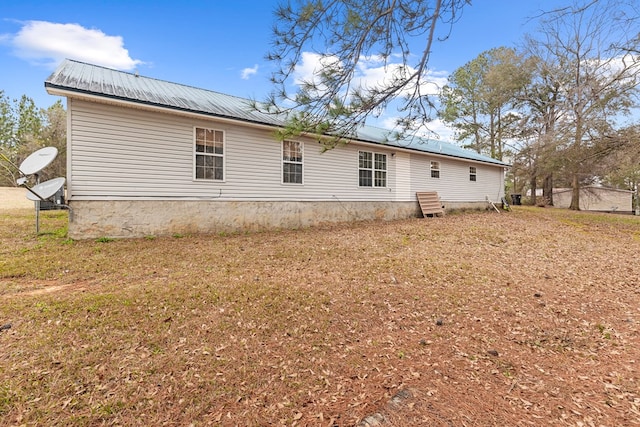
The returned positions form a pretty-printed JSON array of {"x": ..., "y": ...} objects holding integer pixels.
[{"x": 522, "y": 318}]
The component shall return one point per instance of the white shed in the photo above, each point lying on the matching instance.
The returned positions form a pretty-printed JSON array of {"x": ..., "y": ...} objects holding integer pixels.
[{"x": 596, "y": 198}]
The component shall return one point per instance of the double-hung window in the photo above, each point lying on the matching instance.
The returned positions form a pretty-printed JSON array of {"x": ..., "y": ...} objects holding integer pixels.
[
  {"x": 209, "y": 154},
  {"x": 435, "y": 169},
  {"x": 472, "y": 173},
  {"x": 291, "y": 162},
  {"x": 372, "y": 169}
]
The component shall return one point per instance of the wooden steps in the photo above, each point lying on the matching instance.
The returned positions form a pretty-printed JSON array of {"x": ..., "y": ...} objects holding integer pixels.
[{"x": 430, "y": 203}]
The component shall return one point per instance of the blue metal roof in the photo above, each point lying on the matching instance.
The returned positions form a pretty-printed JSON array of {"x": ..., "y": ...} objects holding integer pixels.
[
  {"x": 79, "y": 77},
  {"x": 378, "y": 135}
]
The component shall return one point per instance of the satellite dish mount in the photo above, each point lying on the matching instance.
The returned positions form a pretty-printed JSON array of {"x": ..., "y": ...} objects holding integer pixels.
[{"x": 40, "y": 192}]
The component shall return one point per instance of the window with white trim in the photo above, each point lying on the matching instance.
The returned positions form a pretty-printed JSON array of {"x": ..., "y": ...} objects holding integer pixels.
[
  {"x": 291, "y": 162},
  {"x": 435, "y": 169},
  {"x": 209, "y": 154},
  {"x": 372, "y": 169},
  {"x": 472, "y": 173}
]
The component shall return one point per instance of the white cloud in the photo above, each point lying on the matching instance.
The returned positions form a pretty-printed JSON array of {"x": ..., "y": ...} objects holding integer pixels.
[
  {"x": 48, "y": 43},
  {"x": 248, "y": 72},
  {"x": 311, "y": 66},
  {"x": 435, "y": 129},
  {"x": 371, "y": 72},
  {"x": 441, "y": 130}
]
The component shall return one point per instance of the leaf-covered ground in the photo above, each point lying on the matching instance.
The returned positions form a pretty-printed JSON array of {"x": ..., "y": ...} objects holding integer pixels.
[{"x": 527, "y": 318}]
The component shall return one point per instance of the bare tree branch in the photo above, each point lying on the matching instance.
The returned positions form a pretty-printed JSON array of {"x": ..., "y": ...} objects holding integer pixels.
[{"x": 341, "y": 36}]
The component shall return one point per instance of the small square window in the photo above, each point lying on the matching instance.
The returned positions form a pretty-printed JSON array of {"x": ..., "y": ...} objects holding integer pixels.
[
  {"x": 366, "y": 160},
  {"x": 435, "y": 169},
  {"x": 366, "y": 178}
]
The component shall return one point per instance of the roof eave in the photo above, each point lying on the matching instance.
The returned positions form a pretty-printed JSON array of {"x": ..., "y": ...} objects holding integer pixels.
[{"x": 64, "y": 91}]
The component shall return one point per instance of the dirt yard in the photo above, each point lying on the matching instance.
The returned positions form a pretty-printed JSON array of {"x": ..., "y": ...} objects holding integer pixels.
[
  {"x": 527, "y": 318},
  {"x": 14, "y": 198}
]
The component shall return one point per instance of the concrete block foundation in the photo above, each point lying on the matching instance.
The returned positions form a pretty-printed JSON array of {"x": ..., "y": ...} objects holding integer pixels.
[
  {"x": 117, "y": 219},
  {"x": 137, "y": 218}
]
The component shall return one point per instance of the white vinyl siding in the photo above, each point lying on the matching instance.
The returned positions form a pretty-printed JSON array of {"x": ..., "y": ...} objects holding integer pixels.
[
  {"x": 453, "y": 184},
  {"x": 402, "y": 166},
  {"x": 118, "y": 153},
  {"x": 124, "y": 153}
]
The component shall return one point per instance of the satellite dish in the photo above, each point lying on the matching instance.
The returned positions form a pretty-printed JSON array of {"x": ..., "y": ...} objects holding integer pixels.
[
  {"x": 38, "y": 160},
  {"x": 46, "y": 189}
]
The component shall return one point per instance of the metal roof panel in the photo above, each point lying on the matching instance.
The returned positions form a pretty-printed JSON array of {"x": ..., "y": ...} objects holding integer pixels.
[{"x": 75, "y": 76}]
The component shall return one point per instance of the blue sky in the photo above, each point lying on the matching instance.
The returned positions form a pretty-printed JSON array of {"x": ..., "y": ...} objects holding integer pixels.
[{"x": 217, "y": 45}]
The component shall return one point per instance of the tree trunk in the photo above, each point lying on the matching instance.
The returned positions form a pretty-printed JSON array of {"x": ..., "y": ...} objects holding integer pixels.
[
  {"x": 575, "y": 193},
  {"x": 534, "y": 189},
  {"x": 547, "y": 190}
]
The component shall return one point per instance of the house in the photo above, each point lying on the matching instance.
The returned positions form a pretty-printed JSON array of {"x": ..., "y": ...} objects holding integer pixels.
[
  {"x": 150, "y": 157},
  {"x": 596, "y": 198}
]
